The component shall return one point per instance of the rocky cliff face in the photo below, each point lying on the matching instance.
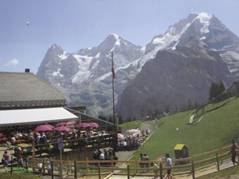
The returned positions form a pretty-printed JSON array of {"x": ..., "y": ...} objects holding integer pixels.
[
  {"x": 194, "y": 52},
  {"x": 85, "y": 76},
  {"x": 172, "y": 81}
]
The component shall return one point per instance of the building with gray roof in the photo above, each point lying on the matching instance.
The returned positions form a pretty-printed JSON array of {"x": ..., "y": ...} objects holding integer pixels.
[{"x": 25, "y": 90}]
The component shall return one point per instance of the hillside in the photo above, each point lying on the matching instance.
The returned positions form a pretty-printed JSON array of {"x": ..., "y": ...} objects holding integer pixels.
[
  {"x": 229, "y": 173},
  {"x": 218, "y": 125}
]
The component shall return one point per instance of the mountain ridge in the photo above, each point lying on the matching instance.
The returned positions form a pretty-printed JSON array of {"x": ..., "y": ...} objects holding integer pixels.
[{"x": 89, "y": 80}]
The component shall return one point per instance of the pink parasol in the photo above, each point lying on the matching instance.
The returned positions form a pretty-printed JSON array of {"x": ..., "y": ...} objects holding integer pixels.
[
  {"x": 61, "y": 124},
  {"x": 83, "y": 125},
  {"x": 44, "y": 128},
  {"x": 67, "y": 123},
  {"x": 2, "y": 135},
  {"x": 93, "y": 125},
  {"x": 3, "y": 138},
  {"x": 62, "y": 129}
]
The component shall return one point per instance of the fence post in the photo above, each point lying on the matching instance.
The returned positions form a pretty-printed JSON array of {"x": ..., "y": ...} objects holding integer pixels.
[
  {"x": 27, "y": 165},
  {"x": 75, "y": 170},
  {"x": 217, "y": 159},
  {"x": 11, "y": 165},
  {"x": 52, "y": 170},
  {"x": 193, "y": 170},
  {"x": 33, "y": 155},
  {"x": 161, "y": 170},
  {"x": 87, "y": 166},
  {"x": 128, "y": 172},
  {"x": 99, "y": 172},
  {"x": 43, "y": 167}
]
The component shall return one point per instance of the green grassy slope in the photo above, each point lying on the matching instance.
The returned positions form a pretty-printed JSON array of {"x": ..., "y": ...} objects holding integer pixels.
[
  {"x": 131, "y": 124},
  {"x": 224, "y": 174},
  {"x": 216, "y": 129}
]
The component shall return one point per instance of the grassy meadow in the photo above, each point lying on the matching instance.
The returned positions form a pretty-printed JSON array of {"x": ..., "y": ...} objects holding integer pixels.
[{"x": 218, "y": 126}]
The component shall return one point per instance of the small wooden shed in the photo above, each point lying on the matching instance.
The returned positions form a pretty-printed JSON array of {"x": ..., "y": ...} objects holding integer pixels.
[{"x": 181, "y": 152}]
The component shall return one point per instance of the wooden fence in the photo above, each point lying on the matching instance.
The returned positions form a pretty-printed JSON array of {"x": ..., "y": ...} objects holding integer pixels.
[{"x": 192, "y": 166}]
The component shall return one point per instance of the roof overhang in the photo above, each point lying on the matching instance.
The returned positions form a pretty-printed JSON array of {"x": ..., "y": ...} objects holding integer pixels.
[{"x": 34, "y": 116}]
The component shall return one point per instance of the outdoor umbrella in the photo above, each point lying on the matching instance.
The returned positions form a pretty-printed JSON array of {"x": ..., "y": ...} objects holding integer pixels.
[
  {"x": 71, "y": 123},
  {"x": 93, "y": 125},
  {"x": 62, "y": 129},
  {"x": 44, "y": 128},
  {"x": 3, "y": 138},
  {"x": 83, "y": 125},
  {"x": 2, "y": 135},
  {"x": 61, "y": 124},
  {"x": 67, "y": 123}
]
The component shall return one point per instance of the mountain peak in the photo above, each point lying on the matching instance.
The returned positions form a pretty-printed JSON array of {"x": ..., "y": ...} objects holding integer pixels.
[
  {"x": 204, "y": 17},
  {"x": 53, "y": 46},
  {"x": 56, "y": 47},
  {"x": 114, "y": 38},
  {"x": 114, "y": 35}
]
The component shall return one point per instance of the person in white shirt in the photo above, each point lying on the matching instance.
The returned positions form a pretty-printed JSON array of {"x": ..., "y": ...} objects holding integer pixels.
[
  {"x": 102, "y": 156},
  {"x": 169, "y": 165}
]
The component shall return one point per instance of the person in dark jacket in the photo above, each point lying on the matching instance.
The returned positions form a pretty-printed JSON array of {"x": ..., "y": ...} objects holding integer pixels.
[{"x": 234, "y": 150}]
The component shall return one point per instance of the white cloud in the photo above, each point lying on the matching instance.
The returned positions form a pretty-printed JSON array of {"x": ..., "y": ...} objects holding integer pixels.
[{"x": 12, "y": 62}]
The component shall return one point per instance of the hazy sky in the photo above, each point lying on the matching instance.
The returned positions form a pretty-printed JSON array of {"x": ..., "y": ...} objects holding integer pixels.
[{"x": 75, "y": 24}]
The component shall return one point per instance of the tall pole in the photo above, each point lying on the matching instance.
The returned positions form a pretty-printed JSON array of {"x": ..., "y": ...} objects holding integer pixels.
[
  {"x": 113, "y": 91},
  {"x": 115, "y": 142}
]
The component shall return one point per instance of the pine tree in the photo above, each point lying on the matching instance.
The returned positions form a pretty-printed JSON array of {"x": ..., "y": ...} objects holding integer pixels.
[{"x": 216, "y": 90}]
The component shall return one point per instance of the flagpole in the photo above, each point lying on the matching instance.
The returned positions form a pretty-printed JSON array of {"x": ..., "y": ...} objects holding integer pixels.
[
  {"x": 113, "y": 104},
  {"x": 113, "y": 90}
]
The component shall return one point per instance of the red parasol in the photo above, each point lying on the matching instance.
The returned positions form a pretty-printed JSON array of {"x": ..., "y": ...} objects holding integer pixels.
[
  {"x": 2, "y": 135},
  {"x": 94, "y": 125},
  {"x": 61, "y": 124},
  {"x": 3, "y": 138},
  {"x": 62, "y": 129},
  {"x": 83, "y": 125},
  {"x": 44, "y": 128},
  {"x": 67, "y": 123}
]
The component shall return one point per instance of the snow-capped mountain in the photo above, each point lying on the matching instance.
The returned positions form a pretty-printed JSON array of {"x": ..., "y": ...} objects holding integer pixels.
[
  {"x": 203, "y": 29},
  {"x": 174, "y": 80},
  {"x": 202, "y": 47},
  {"x": 85, "y": 76}
]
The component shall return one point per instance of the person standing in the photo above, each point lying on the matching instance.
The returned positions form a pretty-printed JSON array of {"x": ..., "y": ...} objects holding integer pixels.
[
  {"x": 169, "y": 165},
  {"x": 234, "y": 151},
  {"x": 5, "y": 159}
]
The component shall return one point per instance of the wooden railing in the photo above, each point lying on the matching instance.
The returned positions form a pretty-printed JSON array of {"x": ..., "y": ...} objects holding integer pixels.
[{"x": 193, "y": 166}]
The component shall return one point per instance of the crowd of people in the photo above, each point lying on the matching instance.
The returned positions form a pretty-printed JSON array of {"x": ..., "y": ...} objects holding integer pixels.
[
  {"x": 104, "y": 154},
  {"x": 131, "y": 139},
  {"x": 46, "y": 142},
  {"x": 129, "y": 143}
]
